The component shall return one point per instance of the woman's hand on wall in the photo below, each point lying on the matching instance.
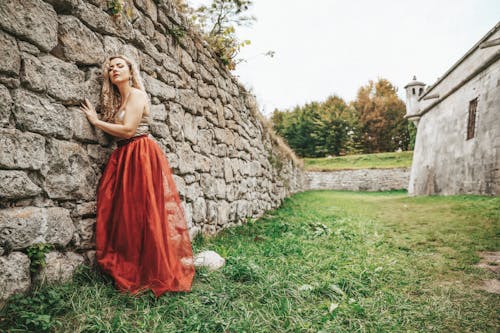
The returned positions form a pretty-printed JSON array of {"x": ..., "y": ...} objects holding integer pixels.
[{"x": 89, "y": 111}]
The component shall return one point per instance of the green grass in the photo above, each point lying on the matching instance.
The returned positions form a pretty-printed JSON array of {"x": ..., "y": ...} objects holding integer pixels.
[
  {"x": 324, "y": 262},
  {"x": 366, "y": 161}
]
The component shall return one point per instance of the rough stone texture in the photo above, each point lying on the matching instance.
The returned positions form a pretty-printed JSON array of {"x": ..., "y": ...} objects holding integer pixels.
[
  {"x": 16, "y": 185},
  {"x": 5, "y": 106},
  {"x": 9, "y": 53},
  {"x": 33, "y": 20},
  {"x": 25, "y": 226},
  {"x": 37, "y": 114},
  {"x": 78, "y": 43},
  {"x": 209, "y": 259},
  {"x": 69, "y": 173},
  {"x": 59, "y": 267},
  {"x": 358, "y": 180},
  {"x": 21, "y": 150},
  {"x": 14, "y": 275},
  {"x": 51, "y": 159},
  {"x": 444, "y": 160}
]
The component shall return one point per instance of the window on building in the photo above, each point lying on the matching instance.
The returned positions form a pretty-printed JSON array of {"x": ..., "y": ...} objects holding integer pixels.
[
  {"x": 471, "y": 124},
  {"x": 413, "y": 90},
  {"x": 420, "y": 91}
]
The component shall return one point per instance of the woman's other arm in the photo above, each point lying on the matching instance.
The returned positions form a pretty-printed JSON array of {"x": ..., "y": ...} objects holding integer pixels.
[{"x": 133, "y": 114}]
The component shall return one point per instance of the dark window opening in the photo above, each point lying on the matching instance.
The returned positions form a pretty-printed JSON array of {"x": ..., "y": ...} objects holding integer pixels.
[
  {"x": 413, "y": 89},
  {"x": 420, "y": 91},
  {"x": 471, "y": 124}
]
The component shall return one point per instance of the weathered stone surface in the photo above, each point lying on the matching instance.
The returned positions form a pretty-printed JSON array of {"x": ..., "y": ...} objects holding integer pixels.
[
  {"x": 16, "y": 185},
  {"x": 102, "y": 23},
  {"x": 84, "y": 237},
  {"x": 190, "y": 129},
  {"x": 60, "y": 79},
  {"x": 69, "y": 173},
  {"x": 5, "y": 106},
  {"x": 199, "y": 210},
  {"x": 148, "y": 7},
  {"x": 193, "y": 192},
  {"x": 158, "y": 88},
  {"x": 20, "y": 150},
  {"x": 209, "y": 259},
  {"x": 59, "y": 267},
  {"x": 79, "y": 43},
  {"x": 158, "y": 112},
  {"x": 86, "y": 209},
  {"x": 33, "y": 20},
  {"x": 25, "y": 226},
  {"x": 14, "y": 275},
  {"x": 359, "y": 180},
  {"x": 186, "y": 158},
  {"x": 160, "y": 130},
  {"x": 38, "y": 114},
  {"x": 9, "y": 53},
  {"x": 28, "y": 48}
]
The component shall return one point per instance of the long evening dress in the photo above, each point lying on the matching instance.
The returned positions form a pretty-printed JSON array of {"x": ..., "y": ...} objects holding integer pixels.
[{"x": 142, "y": 239}]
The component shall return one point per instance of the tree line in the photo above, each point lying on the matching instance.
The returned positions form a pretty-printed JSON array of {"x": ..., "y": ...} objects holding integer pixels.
[{"x": 373, "y": 122}]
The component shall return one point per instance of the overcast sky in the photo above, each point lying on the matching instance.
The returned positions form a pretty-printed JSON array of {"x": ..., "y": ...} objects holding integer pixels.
[{"x": 326, "y": 47}]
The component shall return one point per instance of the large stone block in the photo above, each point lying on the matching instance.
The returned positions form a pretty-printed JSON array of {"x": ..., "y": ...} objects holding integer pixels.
[
  {"x": 38, "y": 114},
  {"x": 199, "y": 210},
  {"x": 190, "y": 129},
  {"x": 33, "y": 20},
  {"x": 5, "y": 106},
  {"x": 9, "y": 53},
  {"x": 186, "y": 158},
  {"x": 25, "y": 226},
  {"x": 99, "y": 21},
  {"x": 16, "y": 185},
  {"x": 78, "y": 43},
  {"x": 59, "y": 267},
  {"x": 158, "y": 88},
  {"x": 14, "y": 275},
  {"x": 148, "y": 7},
  {"x": 19, "y": 150},
  {"x": 69, "y": 173},
  {"x": 61, "y": 80}
]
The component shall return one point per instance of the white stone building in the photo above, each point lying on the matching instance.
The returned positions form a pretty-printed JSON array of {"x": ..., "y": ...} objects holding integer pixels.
[{"x": 457, "y": 148}]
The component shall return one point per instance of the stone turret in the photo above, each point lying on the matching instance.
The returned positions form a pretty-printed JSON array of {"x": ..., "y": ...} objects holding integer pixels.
[{"x": 414, "y": 90}]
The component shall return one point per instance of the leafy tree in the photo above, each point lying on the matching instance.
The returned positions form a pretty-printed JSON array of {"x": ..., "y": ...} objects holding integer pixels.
[
  {"x": 381, "y": 117},
  {"x": 218, "y": 21}
]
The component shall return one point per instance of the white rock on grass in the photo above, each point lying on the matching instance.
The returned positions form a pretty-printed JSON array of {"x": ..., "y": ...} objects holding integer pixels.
[{"x": 209, "y": 259}]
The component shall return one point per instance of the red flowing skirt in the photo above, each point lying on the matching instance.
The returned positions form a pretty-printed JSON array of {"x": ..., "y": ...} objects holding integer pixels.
[{"x": 142, "y": 239}]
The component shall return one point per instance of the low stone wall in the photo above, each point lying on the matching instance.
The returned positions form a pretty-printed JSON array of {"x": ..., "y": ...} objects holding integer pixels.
[
  {"x": 359, "y": 180},
  {"x": 227, "y": 164}
]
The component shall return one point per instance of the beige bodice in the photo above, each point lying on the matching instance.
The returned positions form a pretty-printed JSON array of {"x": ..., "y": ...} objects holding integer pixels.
[{"x": 142, "y": 128}]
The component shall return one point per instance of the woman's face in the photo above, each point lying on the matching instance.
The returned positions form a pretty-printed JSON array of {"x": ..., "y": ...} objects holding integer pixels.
[{"x": 118, "y": 71}]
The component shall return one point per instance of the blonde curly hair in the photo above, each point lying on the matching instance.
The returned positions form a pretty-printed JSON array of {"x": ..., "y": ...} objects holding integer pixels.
[{"x": 110, "y": 96}]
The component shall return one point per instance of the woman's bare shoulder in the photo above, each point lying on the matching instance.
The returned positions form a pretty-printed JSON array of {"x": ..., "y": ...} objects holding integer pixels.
[{"x": 139, "y": 95}]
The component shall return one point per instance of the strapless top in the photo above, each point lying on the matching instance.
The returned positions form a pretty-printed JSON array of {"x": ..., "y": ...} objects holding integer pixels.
[{"x": 142, "y": 128}]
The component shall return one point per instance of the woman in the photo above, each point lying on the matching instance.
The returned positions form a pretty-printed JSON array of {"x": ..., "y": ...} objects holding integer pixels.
[{"x": 142, "y": 239}]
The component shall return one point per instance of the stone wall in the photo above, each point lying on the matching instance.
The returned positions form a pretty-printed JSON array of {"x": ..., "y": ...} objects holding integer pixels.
[
  {"x": 228, "y": 166},
  {"x": 359, "y": 180}
]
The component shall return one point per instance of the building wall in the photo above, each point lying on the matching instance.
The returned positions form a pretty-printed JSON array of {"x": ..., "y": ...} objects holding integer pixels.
[
  {"x": 228, "y": 165},
  {"x": 359, "y": 180},
  {"x": 444, "y": 161}
]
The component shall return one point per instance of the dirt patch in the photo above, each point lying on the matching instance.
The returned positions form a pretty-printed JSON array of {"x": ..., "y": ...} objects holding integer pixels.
[{"x": 491, "y": 262}]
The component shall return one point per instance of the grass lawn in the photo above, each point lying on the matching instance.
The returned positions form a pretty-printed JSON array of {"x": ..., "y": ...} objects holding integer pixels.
[
  {"x": 366, "y": 161},
  {"x": 324, "y": 262}
]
